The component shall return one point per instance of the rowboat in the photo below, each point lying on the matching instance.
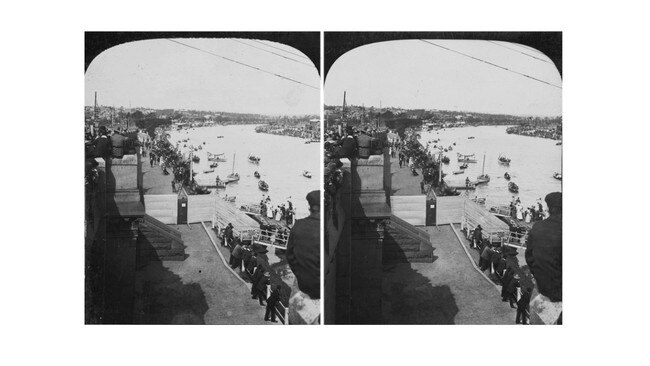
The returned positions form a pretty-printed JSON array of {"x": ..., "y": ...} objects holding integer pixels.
[
  {"x": 306, "y": 174},
  {"x": 254, "y": 159},
  {"x": 512, "y": 187},
  {"x": 506, "y": 175},
  {"x": 262, "y": 185},
  {"x": 557, "y": 176},
  {"x": 459, "y": 171},
  {"x": 256, "y": 174}
]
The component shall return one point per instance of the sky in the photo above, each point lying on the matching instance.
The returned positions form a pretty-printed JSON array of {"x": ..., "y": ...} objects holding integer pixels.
[
  {"x": 163, "y": 74},
  {"x": 413, "y": 74}
]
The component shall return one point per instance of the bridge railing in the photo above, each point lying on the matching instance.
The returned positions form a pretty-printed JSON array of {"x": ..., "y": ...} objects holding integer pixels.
[{"x": 271, "y": 238}]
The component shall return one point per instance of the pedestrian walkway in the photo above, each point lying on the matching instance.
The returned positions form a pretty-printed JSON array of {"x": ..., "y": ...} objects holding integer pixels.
[
  {"x": 403, "y": 182},
  {"x": 447, "y": 291},
  {"x": 153, "y": 180},
  {"x": 198, "y": 290}
]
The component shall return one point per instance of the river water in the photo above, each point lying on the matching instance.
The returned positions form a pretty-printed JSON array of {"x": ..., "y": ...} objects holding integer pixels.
[
  {"x": 283, "y": 159},
  {"x": 534, "y": 160}
]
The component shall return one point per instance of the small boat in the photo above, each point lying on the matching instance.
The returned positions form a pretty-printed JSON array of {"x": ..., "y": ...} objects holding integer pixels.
[
  {"x": 445, "y": 160},
  {"x": 219, "y": 137},
  {"x": 454, "y": 144},
  {"x": 306, "y": 174},
  {"x": 256, "y": 174},
  {"x": 446, "y": 150},
  {"x": 512, "y": 187},
  {"x": 254, "y": 159},
  {"x": 470, "y": 138},
  {"x": 203, "y": 142},
  {"x": 262, "y": 185},
  {"x": 506, "y": 175},
  {"x": 459, "y": 171},
  {"x": 308, "y": 142},
  {"x": 196, "y": 159},
  {"x": 464, "y": 166},
  {"x": 450, "y": 148},
  {"x": 232, "y": 177},
  {"x": 230, "y": 199},
  {"x": 557, "y": 176},
  {"x": 558, "y": 143},
  {"x": 211, "y": 170},
  {"x": 214, "y": 165},
  {"x": 483, "y": 178},
  {"x": 504, "y": 160},
  {"x": 200, "y": 147},
  {"x": 216, "y": 157}
]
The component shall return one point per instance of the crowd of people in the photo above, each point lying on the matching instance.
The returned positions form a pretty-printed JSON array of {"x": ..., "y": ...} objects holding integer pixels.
[
  {"x": 244, "y": 258},
  {"x": 282, "y": 212},
  {"x": 543, "y": 257},
  {"x": 532, "y": 213},
  {"x": 303, "y": 257}
]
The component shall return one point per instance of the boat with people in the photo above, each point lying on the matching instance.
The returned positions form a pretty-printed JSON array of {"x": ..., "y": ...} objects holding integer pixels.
[
  {"x": 445, "y": 159},
  {"x": 254, "y": 159},
  {"x": 216, "y": 157},
  {"x": 214, "y": 165},
  {"x": 504, "y": 160},
  {"x": 196, "y": 159},
  {"x": 256, "y": 174},
  {"x": 306, "y": 174},
  {"x": 558, "y": 143},
  {"x": 464, "y": 158},
  {"x": 464, "y": 166},
  {"x": 483, "y": 178},
  {"x": 506, "y": 175},
  {"x": 470, "y": 138},
  {"x": 513, "y": 187},
  {"x": 557, "y": 176},
  {"x": 263, "y": 185}
]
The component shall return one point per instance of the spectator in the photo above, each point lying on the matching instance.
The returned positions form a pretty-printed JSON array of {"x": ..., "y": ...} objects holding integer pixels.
[
  {"x": 544, "y": 255},
  {"x": 513, "y": 291},
  {"x": 260, "y": 287},
  {"x": 117, "y": 141},
  {"x": 523, "y": 307},
  {"x": 227, "y": 235},
  {"x": 103, "y": 147},
  {"x": 303, "y": 249},
  {"x": 348, "y": 148},
  {"x": 236, "y": 255},
  {"x": 477, "y": 238},
  {"x": 270, "y": 305}
]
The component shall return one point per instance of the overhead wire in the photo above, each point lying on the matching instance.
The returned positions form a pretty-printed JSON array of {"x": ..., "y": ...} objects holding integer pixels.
[
  {"x": 277, "y": 54},
  {"x": 514, "y": 50},
  {"x": 244, "y": 64},
  {"x": 491, "y": 64},
  {"x": 280, "y": 49}
]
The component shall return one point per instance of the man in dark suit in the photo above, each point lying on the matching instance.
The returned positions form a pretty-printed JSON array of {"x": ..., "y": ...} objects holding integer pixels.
[
  {"x": 544, "y": 250},
  {"x": 270, "y": 304},
  {"x": 103, "y": 147},
  {"x": 117, "y": 141},
  {"x": 303, "y": 249}
]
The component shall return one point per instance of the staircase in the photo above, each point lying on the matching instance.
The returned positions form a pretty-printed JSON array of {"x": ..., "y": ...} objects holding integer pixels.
[
  {"x": 404, "y": 243},
  {"x": 157, "y": 241}
]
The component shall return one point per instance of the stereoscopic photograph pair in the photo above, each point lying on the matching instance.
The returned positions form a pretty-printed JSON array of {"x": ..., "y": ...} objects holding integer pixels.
[{"x": 425, "y": 190}]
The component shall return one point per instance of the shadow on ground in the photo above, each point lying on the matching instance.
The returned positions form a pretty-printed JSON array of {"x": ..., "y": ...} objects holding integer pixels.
[{"x": 162, "y": 298}]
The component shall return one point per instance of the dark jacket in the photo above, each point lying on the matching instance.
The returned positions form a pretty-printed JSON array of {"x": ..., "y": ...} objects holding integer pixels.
[
  {"x": 117, "y": 141},
  {"x": 524, "y": 302},
  {"x": 348, "y": 148},
  {"x": 261, "y": 284},
  {"x": 303, "y": 254},
  {"x": 273, "y": 299},
  {"x": 103, "y": 147},
  {"x": 237, "y": 252},
  {"x": 544, "y": 256}
]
